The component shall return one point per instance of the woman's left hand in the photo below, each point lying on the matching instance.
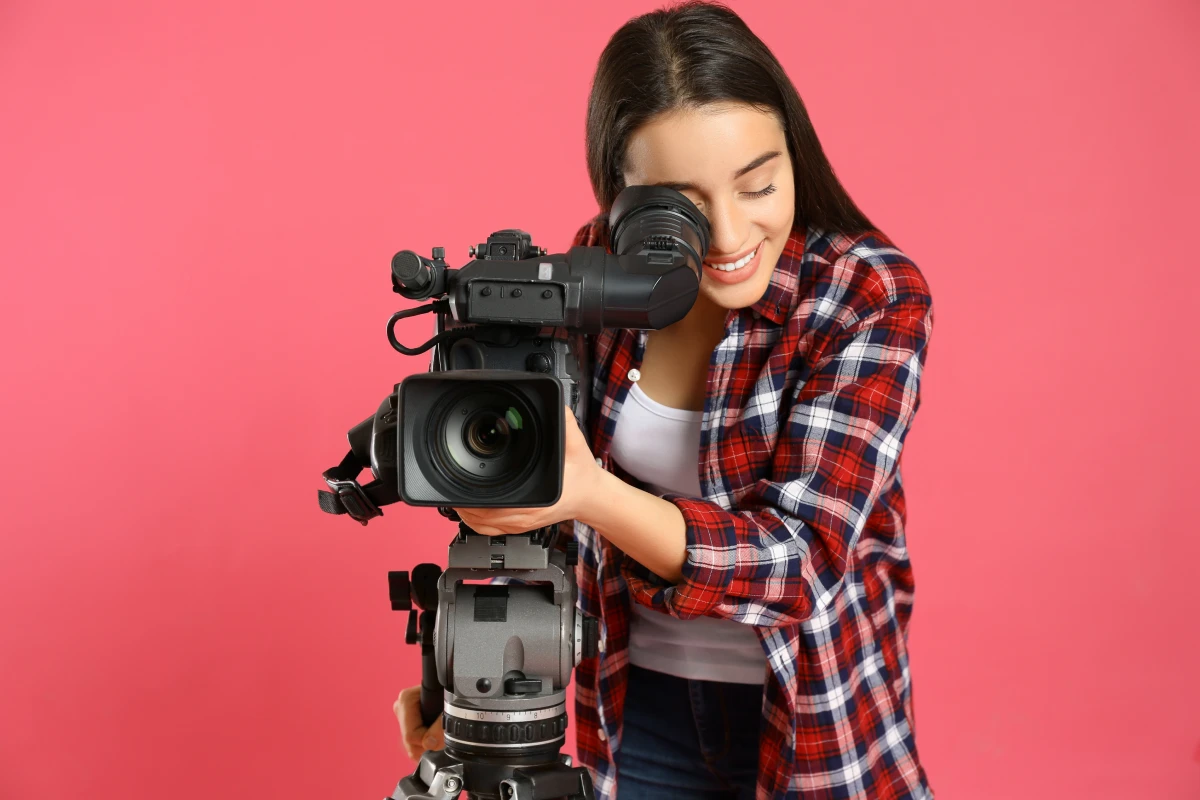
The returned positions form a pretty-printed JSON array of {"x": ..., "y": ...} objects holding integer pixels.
[{"x": 581, "y": 477}]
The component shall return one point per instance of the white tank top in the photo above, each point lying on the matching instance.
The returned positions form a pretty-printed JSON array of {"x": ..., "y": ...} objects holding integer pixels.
[{"x": 659, "y": 446}]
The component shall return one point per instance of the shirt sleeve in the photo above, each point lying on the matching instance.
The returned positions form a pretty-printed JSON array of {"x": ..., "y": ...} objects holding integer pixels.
[{"x": 780, "y": 555}]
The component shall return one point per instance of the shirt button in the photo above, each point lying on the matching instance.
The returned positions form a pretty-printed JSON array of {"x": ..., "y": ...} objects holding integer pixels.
[
  {"x": 635, "y": 375},
  {"x": 600, "y": 645},
  {"x": 603, "y": 735},
  {"x": 599, "y": 462}
]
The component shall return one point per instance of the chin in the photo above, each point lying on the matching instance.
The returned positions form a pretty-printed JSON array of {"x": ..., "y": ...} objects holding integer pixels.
[
  {"x": 742, "y": 295},
  {"x": 734, "y": 297}
]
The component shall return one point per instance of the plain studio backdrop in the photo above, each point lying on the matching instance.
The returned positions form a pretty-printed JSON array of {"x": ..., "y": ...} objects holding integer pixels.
[{"x": 198, "y": 204}]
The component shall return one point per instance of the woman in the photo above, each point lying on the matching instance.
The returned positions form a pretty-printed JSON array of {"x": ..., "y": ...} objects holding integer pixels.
[{"x": 754, "y": 610}]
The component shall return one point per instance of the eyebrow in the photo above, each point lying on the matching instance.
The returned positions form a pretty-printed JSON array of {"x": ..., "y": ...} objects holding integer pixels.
[{"x": 753, "y": 165}]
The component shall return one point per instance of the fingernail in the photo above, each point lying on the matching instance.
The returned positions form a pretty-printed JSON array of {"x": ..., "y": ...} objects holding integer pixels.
[{"x": 429, "y": 743}]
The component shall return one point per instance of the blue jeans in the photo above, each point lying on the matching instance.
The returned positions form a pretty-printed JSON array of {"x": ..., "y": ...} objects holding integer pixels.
[{"x": 688, "y": 738}]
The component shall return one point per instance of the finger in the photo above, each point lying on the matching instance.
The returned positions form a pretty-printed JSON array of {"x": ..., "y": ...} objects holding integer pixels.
[
  {"x": 416, "y": 746},
  {"x": 477, "y": 524},
  {"x": 486, "y": 530},
  {"x": 414, "y": 750},
  {"x": 414, "y": 733},
  {"x": 411, "y": 742},
  {"x": 410, "y": 714},
  {"x": 434, "y": 738},
  {"x": 399, "y": 705}
]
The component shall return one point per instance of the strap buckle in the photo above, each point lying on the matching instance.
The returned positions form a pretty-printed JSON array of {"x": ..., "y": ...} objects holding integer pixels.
[{"x": 354, "y": 499}]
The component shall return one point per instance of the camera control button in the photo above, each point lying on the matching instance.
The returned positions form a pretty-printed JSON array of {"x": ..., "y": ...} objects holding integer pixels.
[{"x": 635, "y": 375}]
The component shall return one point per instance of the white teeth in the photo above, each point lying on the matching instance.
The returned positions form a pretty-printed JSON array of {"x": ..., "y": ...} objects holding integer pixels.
[{"x": 736, "y": 264}]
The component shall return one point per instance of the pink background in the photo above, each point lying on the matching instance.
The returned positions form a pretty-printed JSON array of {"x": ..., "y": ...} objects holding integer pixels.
[{"x": 198, "y": 206}]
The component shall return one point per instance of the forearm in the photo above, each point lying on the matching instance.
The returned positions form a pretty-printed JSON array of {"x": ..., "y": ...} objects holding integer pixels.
[{"x": 647, "y": 528}]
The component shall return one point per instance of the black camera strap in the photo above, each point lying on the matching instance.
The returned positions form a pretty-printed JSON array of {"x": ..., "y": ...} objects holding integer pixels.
[{"x": 348, "y": 497}]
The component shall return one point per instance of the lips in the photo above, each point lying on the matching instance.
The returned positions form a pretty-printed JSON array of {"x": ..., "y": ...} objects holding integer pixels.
[
  {"x": 738, "y": 275},
  {"x": 724, "y": 263}
]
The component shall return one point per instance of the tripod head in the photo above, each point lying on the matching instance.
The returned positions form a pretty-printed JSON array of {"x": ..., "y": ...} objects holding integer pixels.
[{"x": 499, "y": 635}]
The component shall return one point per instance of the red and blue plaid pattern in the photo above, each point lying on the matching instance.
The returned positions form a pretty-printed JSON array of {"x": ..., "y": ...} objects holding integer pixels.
[{"x": 800, "y": 531}]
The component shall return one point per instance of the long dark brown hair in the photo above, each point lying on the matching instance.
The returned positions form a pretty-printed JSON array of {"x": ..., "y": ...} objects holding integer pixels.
[{"x": 689, "y": 55}]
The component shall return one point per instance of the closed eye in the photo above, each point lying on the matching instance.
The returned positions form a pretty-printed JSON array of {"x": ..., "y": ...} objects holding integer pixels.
[{"x": 754, "y": 195}]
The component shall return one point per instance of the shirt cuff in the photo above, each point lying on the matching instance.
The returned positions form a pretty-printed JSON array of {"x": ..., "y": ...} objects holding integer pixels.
[{"x": 708, "y": 568}]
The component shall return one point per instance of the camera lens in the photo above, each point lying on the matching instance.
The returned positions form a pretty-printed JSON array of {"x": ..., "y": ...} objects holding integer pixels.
[
  {"x": 485, "y": 439},
  {"x": 488, "y": 434}
]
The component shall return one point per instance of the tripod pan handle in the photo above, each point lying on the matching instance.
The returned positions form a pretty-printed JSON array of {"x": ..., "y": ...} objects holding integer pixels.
[{"x": 431, "y": 689}]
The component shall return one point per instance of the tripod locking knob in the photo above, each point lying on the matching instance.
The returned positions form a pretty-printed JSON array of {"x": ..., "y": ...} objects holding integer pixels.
[{"x": 399, "y": 591}]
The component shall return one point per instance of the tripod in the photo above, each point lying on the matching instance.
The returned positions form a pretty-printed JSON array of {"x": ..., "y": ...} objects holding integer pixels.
[{"x": 495, "y": 662}]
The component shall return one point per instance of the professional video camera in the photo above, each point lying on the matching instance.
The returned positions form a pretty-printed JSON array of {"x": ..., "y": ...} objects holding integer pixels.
[{"x": 485, "y": 427}]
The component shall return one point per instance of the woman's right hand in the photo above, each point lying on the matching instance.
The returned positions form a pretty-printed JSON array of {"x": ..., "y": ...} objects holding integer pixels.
[{"x": 415, "y": 737}]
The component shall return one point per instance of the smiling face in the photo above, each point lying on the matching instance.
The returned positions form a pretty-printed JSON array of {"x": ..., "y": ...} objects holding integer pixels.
[{"x": 732, "y": 161}]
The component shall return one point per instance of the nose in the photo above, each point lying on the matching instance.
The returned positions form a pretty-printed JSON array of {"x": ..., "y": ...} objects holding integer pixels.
[{"x": 729, "y": 229}]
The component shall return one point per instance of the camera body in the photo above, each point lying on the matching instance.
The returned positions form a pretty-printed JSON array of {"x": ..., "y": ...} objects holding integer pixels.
[{"x": 485, "y": 426}]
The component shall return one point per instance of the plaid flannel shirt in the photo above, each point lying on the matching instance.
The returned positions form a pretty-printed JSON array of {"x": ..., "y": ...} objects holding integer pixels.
[{"x": 800, "y": 530}]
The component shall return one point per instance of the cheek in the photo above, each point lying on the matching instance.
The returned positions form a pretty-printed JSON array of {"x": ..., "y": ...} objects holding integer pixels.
[
  {"x": 763, "y": 276},
  {"x": 779, "y": 222},
  {"x": 779, "y": 229}
]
